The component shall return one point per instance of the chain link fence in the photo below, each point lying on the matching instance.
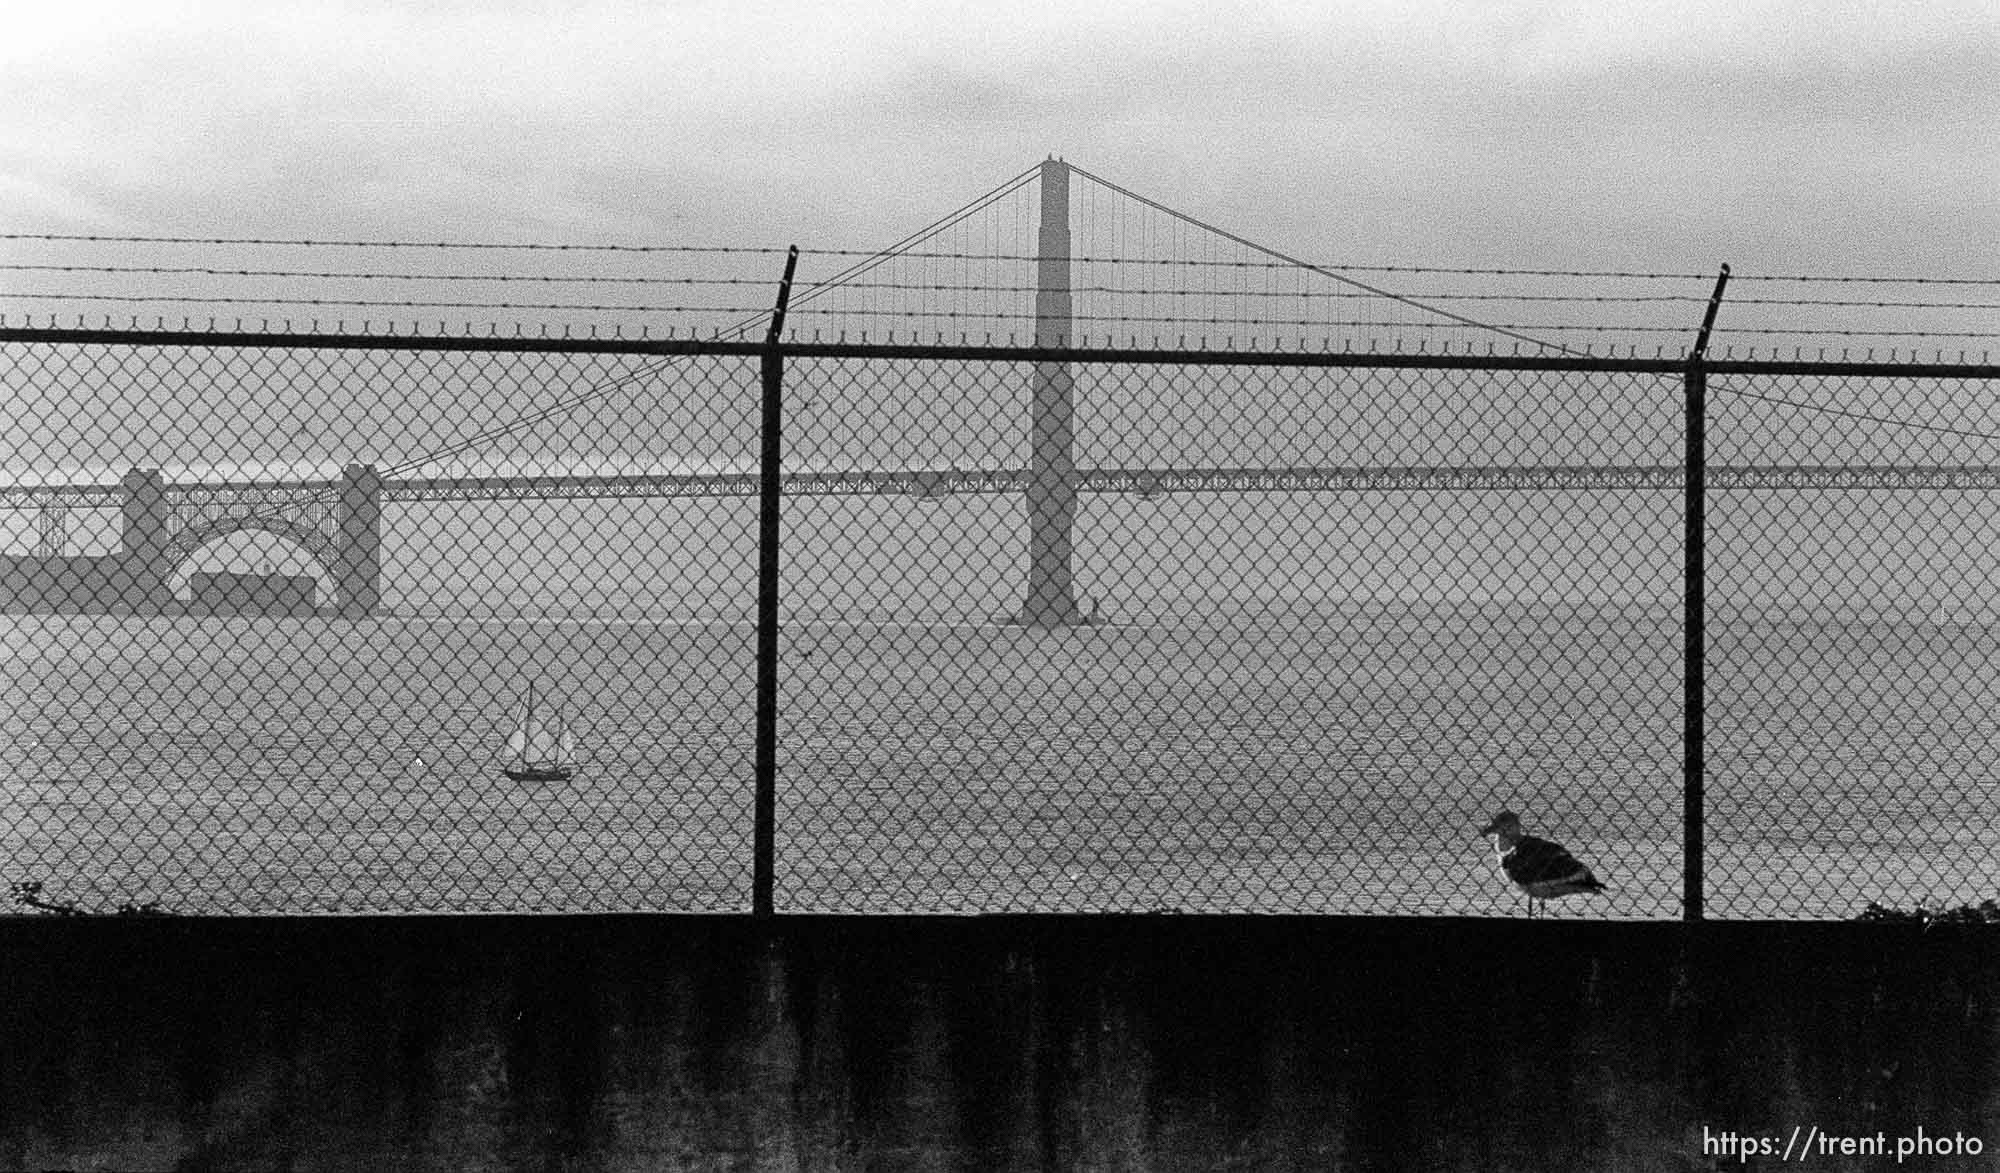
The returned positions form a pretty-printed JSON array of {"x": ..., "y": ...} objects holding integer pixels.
[
  {"x": 1851, "y": 643},
  {"x": 313, "y": 709},
  {"x": 1314, "y": 626},
  {"x": 342, "y": 625}
]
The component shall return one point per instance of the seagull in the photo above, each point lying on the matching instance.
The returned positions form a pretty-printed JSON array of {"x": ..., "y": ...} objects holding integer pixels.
[{"x": 1538, "y": 867}]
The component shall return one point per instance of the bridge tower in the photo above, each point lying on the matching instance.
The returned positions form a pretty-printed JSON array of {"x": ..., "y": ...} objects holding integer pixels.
[
  {"x": 1051, "y": 495},
  {"x": 145, "y": 563},
  {"x": 357, "y": 568}
]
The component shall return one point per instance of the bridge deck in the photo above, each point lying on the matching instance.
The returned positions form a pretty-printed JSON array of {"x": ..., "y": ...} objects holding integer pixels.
[{"x": 948, "y": 482}]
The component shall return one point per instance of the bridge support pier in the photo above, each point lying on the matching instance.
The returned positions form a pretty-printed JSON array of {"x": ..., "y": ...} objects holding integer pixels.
[
  {"x": 145, "y": 563},
  {"x": 1051, "y": 596},
  {"x": 357, "y": 574}
]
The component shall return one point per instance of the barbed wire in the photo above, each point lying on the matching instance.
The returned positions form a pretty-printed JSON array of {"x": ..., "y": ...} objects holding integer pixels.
[
  {"x": 349, "y": 275},
  {"x": 1274, "y": 255},
  {"x": 961, "y": 287},
  {"x": 398, "y": 244},
  {"x": 342, "y": 327},
  {"x": 1455, "y": 270},
  {"x": 1205, "y": 262},
  {"x": 1214, "y": 263},
  {"x": 358, "y": 303},
  {"x": 1005, "y": 335},
  {"x": 1858, "y": 280},
  {"x": 1177, "y": 320},
  {"x": 1246, "y": 322},
  {"x": 1429, "y": 295},
  {"x": 1452, "y": 270},
  {"x": 900, "y": 248},
  {"x": 1878, "y": 305},
  {"x": 980, "y": 287}
]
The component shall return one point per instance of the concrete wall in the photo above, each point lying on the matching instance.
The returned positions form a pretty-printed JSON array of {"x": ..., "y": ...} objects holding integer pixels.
[{"x": 1057, "y": 1043}]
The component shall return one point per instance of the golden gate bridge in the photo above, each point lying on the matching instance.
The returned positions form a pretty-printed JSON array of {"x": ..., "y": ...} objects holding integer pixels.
[
  {"x": 219, "y": 500},
  {"x": 1057, "y": 298}
]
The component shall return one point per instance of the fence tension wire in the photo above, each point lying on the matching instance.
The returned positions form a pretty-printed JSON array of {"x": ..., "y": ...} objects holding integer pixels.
[
  {"x": 763, "y": 867},
  {"x": 1694, "y": 615}
]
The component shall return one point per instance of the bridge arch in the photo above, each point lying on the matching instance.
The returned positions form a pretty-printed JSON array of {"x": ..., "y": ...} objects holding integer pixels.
[
  {"x": 338, "y": 524},
  {"x": 219, "y": 545},
  {"x": 184, "y": 545}
]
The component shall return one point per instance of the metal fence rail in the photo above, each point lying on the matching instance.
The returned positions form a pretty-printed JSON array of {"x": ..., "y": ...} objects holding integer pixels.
[{"x": 986, "y": 629}]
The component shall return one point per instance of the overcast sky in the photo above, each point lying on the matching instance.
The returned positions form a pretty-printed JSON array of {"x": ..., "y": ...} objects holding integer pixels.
[{"x": 1816, "y": 135}]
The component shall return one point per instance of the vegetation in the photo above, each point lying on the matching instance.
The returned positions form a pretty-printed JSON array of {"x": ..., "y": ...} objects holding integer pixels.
[
  {"x": 29, "y": 893},
  {"x": 1986, "y": 912}
]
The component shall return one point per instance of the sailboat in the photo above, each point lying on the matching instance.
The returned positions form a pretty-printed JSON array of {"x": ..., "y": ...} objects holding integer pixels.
[{"x": 538, "y": 750}]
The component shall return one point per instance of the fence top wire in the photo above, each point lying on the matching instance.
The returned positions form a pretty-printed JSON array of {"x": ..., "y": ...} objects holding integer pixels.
[
  {"x": 1896, "y": 363},
  {"x": 1185, "y": 323}
]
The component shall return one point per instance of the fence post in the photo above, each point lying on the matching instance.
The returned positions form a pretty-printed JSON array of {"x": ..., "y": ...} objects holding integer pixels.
[
  {"x": 770, "y": 462},
  {"x": 1694, "y": 617},
  {"x": 1694, "y": 602}
]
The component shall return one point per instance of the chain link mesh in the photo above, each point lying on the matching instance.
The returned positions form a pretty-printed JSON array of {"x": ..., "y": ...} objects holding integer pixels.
[
  {"x": 1197, "y": 633},
  {"x": 1851, "y": 645},
  {"x": 293, "y": 690},
  {"x": 1252, "y": 697}
]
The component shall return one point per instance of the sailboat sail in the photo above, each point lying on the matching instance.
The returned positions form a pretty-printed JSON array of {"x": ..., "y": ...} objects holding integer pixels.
[
  {"x": 543, "y": 743},
  {"x": 539, "y": 745}
]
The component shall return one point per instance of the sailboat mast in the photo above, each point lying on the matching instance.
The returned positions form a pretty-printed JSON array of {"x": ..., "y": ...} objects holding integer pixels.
[{"x": 527, "y": 733}]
